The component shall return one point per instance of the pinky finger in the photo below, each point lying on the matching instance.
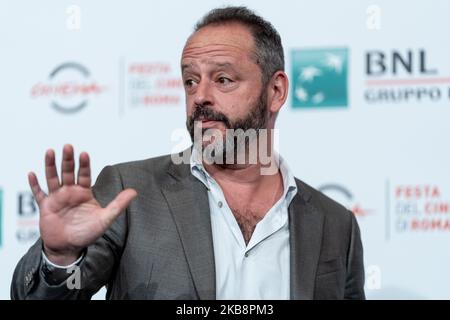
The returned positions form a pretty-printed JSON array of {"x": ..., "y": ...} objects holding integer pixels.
[{"x": 38, "y": 194}]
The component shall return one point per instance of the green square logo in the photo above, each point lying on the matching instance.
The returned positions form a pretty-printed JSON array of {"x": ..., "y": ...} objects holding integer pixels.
[{"x": 319, "y": 78}]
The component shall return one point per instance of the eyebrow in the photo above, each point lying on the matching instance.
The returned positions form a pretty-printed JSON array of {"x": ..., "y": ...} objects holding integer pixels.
[
  {"x": 217, "y": 64},
  {"x": 186, "y": 66}
]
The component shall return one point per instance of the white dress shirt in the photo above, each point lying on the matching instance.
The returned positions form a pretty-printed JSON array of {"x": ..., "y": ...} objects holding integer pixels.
[{"x": 259, "y": 270}]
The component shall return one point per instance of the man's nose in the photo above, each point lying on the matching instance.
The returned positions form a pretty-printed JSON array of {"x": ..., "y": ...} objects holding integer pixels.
[{"x": 204, "y": 93}]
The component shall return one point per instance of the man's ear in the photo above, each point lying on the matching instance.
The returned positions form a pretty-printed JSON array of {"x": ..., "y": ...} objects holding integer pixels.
[{"x": 278, "y": 88}]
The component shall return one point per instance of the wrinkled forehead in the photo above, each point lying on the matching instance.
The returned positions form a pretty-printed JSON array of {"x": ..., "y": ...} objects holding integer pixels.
[{"x": 225, "y": 39}]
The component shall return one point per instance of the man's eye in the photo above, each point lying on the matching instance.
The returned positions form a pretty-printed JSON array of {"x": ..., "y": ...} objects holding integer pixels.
[
  {"x": 189, "y": 82},
  {"x": 224, "y": 80}
]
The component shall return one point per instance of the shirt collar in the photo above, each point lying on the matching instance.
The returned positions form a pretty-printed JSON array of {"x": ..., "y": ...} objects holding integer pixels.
[{"x": 289, "y": 184}]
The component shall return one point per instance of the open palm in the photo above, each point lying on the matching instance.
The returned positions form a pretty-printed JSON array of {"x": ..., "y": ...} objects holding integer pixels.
[{"x": 70, "y": 217}]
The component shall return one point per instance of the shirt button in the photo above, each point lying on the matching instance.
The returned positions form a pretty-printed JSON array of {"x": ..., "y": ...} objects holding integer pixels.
[
  {"x": 246, "y": 254},
  {"x": 220, "y": 204}
]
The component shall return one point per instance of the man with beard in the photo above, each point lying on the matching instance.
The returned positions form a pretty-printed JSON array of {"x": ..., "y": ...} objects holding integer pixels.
[{"x": 216, "y": 226}]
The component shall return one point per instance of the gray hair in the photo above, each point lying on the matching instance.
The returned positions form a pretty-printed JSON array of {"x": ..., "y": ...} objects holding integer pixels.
[{"x": 268, "y": 48}]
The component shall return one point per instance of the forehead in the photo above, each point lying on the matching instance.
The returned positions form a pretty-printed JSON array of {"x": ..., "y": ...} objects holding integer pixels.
[{"x": 231, "y": 40}]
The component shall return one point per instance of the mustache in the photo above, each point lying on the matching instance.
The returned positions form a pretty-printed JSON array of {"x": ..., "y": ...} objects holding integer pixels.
[{"x": 204, "y": 112}]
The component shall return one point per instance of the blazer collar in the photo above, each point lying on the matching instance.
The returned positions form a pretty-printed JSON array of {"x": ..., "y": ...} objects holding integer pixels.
[
  {"x": 305, "y": 234},
  {"x": 187, "y": 199}
]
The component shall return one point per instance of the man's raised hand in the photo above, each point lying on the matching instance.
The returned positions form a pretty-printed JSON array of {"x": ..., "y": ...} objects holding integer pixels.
[{"x": 70, "y": 217}]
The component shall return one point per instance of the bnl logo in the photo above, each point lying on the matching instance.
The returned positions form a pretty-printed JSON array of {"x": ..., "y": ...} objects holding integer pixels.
[{"x": 319, "y": 78}]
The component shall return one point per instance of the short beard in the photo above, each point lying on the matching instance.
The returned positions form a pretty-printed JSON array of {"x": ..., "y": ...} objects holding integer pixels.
[{"x": 232, "y": 144}]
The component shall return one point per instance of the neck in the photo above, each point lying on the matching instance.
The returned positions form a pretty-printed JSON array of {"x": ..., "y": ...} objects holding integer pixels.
[{"x": 244, "y": 174}]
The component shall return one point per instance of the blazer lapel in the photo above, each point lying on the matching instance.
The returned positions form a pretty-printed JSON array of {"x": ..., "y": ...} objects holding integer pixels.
[
  {"x": 305, "y": 227},
  {"x": 188, "y": 201}
]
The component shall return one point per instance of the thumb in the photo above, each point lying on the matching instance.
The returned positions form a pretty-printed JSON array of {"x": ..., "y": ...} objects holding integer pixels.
[{"x": 117, "y": 206}]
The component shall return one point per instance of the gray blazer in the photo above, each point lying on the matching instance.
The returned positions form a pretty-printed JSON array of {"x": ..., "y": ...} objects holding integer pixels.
[{"x": 162, "y": 247}]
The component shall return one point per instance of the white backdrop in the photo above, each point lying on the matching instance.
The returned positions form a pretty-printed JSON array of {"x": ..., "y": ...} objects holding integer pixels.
[{"x": 376, "y": 139}]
